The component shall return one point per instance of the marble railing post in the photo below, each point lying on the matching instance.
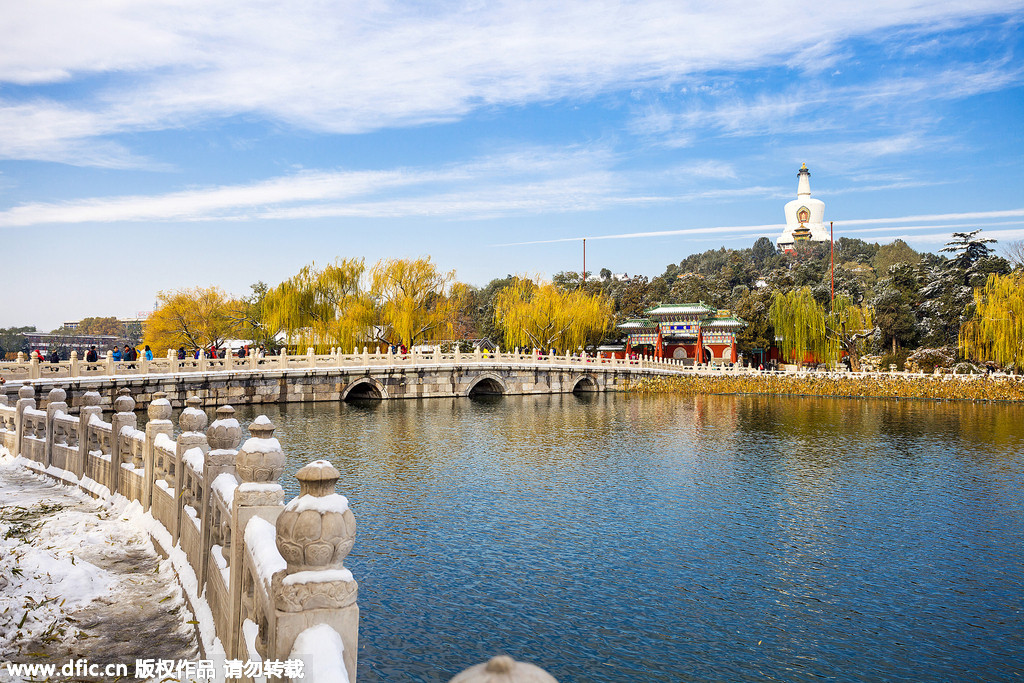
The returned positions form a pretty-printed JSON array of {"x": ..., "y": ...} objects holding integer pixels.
[
  {"x": 75, "y": 371},
  {"x": 314, "y": 534},
  {"x": 506, "y": 670},
  {"x": 159, "y": 423},
  {"x": 111, "y": 369},
  {"x": 310, "y": 357},
  {"x": 54, "y": 403},
  {"x": 33, "y": 368},
  {"x": 192, "y": 422},
  {"x": 222, "y": 437},
  {"x": 26, "y": 399},
  {"x": 282, "y": 359},
  {"x": 259, "y": 465},
  {"x": 90, "y": 406},
  {"x": 124, "y": 416}
]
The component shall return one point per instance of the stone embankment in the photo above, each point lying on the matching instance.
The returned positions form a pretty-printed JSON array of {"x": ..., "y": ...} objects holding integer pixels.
[
  {"x": 825, "y": 384},
  {"x": 77, "y": 574}
]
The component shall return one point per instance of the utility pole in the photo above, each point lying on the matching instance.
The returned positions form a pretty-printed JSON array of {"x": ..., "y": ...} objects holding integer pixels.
[
  {"x": 583, "y": 280},
  {"x": 831, "y": 238}
]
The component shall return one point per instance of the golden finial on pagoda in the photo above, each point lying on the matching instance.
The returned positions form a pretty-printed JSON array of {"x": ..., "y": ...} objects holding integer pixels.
[{"x": 803, "y": 167}]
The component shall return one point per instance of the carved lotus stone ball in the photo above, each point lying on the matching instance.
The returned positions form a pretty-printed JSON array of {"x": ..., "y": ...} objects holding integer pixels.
[
  {"x": 193, "y": 418},
  {"x": 124, "y": 403},
  {"x": 312, "y": 539},
  {"x": 159, "y": 407},
  {"x": 56, "y": 395},
  {"x": 90, "y": 398},
  {"x": 260, "y": 458},
  {"x": 225, "y": 432},
  {"x": 317, "y": 529},
  {"x": 26, "y": 391},
  {"x": 504, "y": 669}
]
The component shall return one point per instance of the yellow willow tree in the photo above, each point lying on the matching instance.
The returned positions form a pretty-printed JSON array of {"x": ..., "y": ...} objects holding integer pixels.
[
  {"x": 414, "y": 301},
  {"x": 321, "y": 307},
  {"x": 847, "y": 328},
  {"x": 540, "y": 316},
  {"x": 799, "y": 324},
  {"x": 193, "y": 318},
  {"x": 996, "y": 332}
]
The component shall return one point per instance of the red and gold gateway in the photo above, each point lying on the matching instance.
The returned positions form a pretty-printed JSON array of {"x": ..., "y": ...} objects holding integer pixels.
[{"x": 695, "y": 332}]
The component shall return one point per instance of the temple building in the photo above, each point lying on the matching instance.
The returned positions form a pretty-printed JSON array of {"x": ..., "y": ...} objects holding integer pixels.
[
  {"x": 695, "y": 332},
  {"x": 805, "y": 217}
]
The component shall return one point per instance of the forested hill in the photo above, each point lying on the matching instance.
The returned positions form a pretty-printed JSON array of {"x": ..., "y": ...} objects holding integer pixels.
[{"x": 919, "y": 299}]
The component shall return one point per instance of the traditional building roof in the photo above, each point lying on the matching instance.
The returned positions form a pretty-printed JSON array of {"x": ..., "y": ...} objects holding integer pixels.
[
  {"x": 681, "y": 309},
  {"x": 637, "y": 324},
  {"x": 724, "y": 323}
]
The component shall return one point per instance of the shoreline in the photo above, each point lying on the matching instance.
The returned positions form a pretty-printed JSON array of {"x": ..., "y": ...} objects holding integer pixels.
[{"x": 883, "y": 386}]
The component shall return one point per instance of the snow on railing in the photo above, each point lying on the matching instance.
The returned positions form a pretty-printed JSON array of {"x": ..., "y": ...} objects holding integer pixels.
[{"x": 224, "y": 493}]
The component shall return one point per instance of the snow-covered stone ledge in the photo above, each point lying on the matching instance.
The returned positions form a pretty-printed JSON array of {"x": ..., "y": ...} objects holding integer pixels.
[{"x": 264, "y": 579}]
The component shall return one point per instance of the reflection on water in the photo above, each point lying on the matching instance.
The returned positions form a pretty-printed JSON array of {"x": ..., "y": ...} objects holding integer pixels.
[{"x": 624, "y": 538}]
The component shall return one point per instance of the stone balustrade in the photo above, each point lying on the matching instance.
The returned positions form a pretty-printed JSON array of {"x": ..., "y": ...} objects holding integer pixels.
[
  {"x": 269, "y": 571},
  {"x": 25, "y": 368},
  {"x": 269, "y": 576}
]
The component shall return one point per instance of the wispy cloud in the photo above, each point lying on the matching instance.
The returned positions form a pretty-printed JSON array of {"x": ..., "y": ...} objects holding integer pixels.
[
  {"x": 353, "y": 67},
  {"x": 979, "y": 218}
]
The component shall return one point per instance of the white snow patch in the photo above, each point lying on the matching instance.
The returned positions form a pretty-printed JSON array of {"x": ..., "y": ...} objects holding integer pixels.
[
  {"x": 261, "y": 420},
  {"x": 322, "y": 652},
  {"x": 256, "y": 445},
  {"x": 165, "y": 442},
  {"x": 250, "y": 631},
  {"x": 194, "y": 458},
  {"x": 318, "y": 576},
  {"x": 334, "y": 502},
  {"x": 225, "y": 484},
  {"x": 261, "y": 540}
]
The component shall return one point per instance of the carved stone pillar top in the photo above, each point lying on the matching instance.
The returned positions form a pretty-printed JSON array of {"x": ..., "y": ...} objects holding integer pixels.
[
  {"x": 504, "y": 669},
  {"x": 317, "y": 529},
  {"x": 225, "y": 432},
  {"x": 159, "y": 407},
  {"x": 193, "y": 418},
  {"x": 26, "y": 390},
  {"x": 56, "y": 395},
  {"x": 90, "y": 398},
  {"x": 124, "y": 403},
  {"x": 261, "y": 458}
]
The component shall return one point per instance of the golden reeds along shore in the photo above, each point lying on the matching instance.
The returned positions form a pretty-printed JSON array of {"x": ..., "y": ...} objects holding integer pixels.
[{"x": 882, "y": 385}]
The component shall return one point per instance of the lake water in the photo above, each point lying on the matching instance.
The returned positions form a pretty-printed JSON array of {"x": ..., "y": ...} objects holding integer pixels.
[{"x": 719, "y": 538}]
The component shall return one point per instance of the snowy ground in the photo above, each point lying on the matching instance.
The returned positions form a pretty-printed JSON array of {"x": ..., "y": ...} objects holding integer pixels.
[{"x": 80, "y": 579}]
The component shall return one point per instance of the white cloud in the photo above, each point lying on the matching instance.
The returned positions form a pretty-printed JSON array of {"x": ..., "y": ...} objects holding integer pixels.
[
  {"x": 350, "y": 67},
  {"x": 985, "y": 218}
]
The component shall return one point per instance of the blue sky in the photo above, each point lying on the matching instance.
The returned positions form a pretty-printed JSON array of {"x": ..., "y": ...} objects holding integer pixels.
[{"x": 160, "y": 145}]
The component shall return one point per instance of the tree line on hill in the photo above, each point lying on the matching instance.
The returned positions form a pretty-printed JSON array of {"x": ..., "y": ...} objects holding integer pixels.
[{"x": 889, "y": 301}]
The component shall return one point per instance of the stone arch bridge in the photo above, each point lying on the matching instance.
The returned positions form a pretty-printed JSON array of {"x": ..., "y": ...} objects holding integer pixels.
[{"x": 334, "y": 377}]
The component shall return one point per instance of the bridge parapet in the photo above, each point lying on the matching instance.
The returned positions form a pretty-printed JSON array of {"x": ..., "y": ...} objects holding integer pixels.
[{"x": 24, "y": 368}]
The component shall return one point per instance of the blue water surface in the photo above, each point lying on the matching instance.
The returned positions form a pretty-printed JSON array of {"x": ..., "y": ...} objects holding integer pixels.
[{"x": 718, "y": 538}]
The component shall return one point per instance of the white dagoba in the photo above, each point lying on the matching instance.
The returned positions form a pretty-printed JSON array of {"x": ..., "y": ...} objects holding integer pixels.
[{"x": 805, "y": 217}]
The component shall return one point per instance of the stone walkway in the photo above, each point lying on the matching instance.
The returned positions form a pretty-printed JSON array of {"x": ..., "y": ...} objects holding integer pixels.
[{"x": 78, "y": 580}]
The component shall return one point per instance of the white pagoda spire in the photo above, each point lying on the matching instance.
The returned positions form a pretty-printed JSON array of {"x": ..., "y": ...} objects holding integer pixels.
[
  {"x": 803, "y": 188},
  {"x": 805, "y": 216}
]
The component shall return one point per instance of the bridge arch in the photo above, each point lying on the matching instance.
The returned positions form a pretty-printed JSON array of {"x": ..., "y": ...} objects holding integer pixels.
[
  {"x": 364, "y": 388},
  {"x": 487, "y": 384},
  {"x": 586, "y": 383}
]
